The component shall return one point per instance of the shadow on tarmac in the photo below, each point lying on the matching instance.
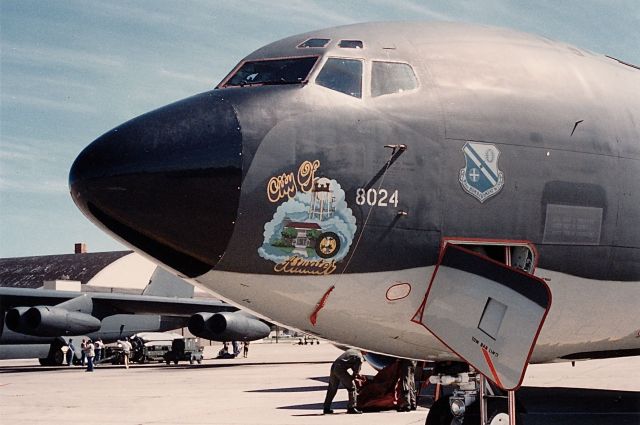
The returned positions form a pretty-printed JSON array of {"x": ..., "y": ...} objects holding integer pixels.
[
  {"x": 336, "y": 405},
  {"x": 159, "y": 365},
  {"x": 560, "y": 406},
  {"x": 543, "y": 406},
  {"x": 290, "y": 389}
]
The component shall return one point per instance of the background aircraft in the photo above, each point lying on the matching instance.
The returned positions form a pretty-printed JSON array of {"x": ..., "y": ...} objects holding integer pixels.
[
  {"x": 418, "y": 190},
  {"x": 38, "y": 322}
]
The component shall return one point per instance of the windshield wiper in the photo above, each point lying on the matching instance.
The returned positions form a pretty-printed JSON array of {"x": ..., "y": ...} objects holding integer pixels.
[
  {"x": 277, "y": 83},
  {"x": 267, "y": 83}
]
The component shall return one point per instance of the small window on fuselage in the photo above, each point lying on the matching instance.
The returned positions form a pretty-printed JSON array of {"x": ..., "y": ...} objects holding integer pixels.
[
  {"x": 342, "y": 75},
  {"x": 272, "y": 72},
  {"x": 391, "y": 77},
  {"x": 314, "y": 42},
  {"x": 351, "y": 44}
]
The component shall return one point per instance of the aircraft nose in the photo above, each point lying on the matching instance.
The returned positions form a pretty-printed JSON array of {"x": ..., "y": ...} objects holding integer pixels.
[{"x": 167, "y": 182}]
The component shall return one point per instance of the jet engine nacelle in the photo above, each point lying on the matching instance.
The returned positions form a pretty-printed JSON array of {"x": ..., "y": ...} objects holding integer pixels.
[
  {"x": 50, "y": 321},
  {"x": 378, "y": 361},
  {"x": 14, "y": 318},
  {"x": 234, "y": 326}
]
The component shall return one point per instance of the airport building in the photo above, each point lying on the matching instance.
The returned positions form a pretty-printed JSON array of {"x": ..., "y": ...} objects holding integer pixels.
[{"x": 113, "y": 271}]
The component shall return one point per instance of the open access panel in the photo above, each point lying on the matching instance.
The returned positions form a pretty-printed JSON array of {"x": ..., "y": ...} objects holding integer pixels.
[{"x": 486, "y": 312}]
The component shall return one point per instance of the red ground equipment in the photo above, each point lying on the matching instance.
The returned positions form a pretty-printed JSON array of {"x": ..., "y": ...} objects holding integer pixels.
[{"x": 380, "y": 392}]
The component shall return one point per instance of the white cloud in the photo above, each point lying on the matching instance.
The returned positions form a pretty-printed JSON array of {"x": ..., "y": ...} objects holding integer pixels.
[
  {"x": 127, "y": 11},
  {"x": 48, "y": 82},
  {"x": 57, "y": 187},
  {"x": 303, "y": 12},
  {"x": 30, "y": 55},
  {"x": 193, "y": 78},
  {"x": 26, "y": 149},
  {"x": 413, "y": 8},
  {"x": 66, "y": 105}
]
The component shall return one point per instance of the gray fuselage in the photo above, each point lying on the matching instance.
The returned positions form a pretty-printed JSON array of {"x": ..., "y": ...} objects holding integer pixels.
[{"x": 216, "y": 186}]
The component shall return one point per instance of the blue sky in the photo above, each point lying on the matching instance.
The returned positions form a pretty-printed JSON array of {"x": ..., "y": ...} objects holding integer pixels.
[{"x": 71, "y": 70}]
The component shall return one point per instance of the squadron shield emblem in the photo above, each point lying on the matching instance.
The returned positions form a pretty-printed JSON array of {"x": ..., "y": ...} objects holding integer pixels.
[{"x": 481, "y": 177}]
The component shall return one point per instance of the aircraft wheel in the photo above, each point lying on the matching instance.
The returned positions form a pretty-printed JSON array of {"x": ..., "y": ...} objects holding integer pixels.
[
  {"x": 58, "y": 358},
  {"x": 45, "y": 362},
  {"x": 191, "y": 360},
  {"x": 499, "y": 419},
  {"x": 499, "y": 413},
  {"x": 440, "y": 413},
  {"x": 55, "y": 358},
  {"x": 199, "y": 361},
  {"x": 327, "y": 245}
]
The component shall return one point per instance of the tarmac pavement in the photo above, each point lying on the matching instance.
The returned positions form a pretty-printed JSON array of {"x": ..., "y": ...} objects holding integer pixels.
[{"x": 281, "y": 384}]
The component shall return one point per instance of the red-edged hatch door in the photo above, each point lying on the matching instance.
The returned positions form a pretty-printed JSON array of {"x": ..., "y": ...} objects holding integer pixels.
[{"x": 487, "y": 313}]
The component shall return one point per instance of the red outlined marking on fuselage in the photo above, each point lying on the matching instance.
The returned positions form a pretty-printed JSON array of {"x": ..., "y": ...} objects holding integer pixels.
[{"x": 314, "y": 316}]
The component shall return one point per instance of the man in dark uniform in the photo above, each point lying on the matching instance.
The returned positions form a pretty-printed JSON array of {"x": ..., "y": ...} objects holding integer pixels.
[
  {"x": 408, "y": 376},
  {"x": 350, "y": 359}
]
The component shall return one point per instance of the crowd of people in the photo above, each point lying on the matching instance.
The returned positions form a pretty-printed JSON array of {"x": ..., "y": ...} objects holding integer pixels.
[
  {"x": 225, "y": 354},
  {"x": 89, "y": 353},
  {"x": 92, "y": 352}
]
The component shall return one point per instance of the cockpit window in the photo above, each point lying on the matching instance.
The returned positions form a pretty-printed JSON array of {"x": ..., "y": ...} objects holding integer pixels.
[
  {"x": 343, "y": 75},
  {"x": 391, "y": 77},
  {"x": 314, "y": 42},
  {"x": 351, "y": 44},
  {"x": 272, "y": 72}
]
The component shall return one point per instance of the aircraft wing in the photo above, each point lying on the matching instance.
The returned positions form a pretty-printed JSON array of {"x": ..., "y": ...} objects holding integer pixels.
[
  {"x": 105, "y": 304},
  {"x": 46, "y": 313}
]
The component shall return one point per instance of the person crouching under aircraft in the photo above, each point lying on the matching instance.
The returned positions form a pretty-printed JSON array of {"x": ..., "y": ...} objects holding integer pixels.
[{"x": 350, "y": 359}]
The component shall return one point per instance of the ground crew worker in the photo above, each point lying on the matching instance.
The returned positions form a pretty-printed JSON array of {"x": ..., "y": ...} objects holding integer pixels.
[
  {"x": 408, "y": 377},
  {"x": 98, "y": 349},
  {"x": 126, "y": 351},
  {"x": 350, "y": 359},
  {"x": 83, "y": 355},
  {"x": 90, "y": 351},
  {"x": 71, "y": 352}
]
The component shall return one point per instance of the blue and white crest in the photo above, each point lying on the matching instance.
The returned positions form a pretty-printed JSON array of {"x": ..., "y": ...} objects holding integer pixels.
[{"x": 481, "y": 177}]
